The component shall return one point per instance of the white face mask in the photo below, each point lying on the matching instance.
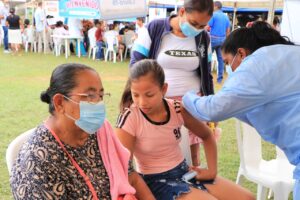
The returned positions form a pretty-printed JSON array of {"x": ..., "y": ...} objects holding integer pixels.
[
  {"x": 229, "y": 67},
  {"x": 229, "y": 70}
]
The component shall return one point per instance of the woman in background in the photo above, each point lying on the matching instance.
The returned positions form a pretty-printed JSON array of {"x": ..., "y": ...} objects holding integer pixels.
[{"x": 14, "y": 31}]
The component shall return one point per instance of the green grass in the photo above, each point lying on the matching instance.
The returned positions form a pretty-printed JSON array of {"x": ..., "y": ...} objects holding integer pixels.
[{"x": 22, "y": 78}]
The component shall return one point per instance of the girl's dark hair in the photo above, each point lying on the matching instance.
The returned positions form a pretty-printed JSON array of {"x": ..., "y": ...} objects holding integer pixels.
[
  {"x": 276, "y": 20},
  {"x": 260, "y": 34},
  {"x": 96, "y": 21},
  {"x": 59, "y": 24},
  {"x": 141, "y": 68},
  {"x": 63, "y": 80},
  {"x": 199, "y": 5},
  {"x": 26, "y": 23}
]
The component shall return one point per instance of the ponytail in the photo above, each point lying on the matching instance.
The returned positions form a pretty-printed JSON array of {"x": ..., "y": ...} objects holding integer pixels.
[{"x": 126, "y": 99}]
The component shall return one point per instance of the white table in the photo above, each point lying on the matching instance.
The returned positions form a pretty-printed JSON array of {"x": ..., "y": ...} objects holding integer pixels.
[{"x": 67, "y": 38}]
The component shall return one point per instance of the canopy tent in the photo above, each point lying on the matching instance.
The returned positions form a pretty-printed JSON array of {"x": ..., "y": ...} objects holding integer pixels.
[
  {"x": 228, "y": 3},
  {"x": 269, "y": 5},
  {"x": 290, "y": 25},
  {"x": 251, "y": 3},
  {"x": 250, "y": 10},
  {"x": 234, "y": 6}
]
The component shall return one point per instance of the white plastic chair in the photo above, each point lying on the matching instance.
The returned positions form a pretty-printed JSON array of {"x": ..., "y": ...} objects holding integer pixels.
[
  {"x": 128, "y": 42},
  {"x": 214, "y": 61},
  {"x": 276, "y": 174},
  {"x": 58, "y": 41},
  {"x": 112, "y": 47},
  {"x": 57, "y": 48},
  {"x": 14, "y": 148},
  {"x": 185, "y": 145},
  {"x": 93, "y": 44},
  {"x": 30, "y": 38}
]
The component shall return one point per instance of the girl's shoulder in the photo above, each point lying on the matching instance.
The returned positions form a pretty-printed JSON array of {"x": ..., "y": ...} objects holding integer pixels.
[
  {"x": 175, "y": 109},
  {"x": 126, "y": 114},
  {"x": 174, "y": 104}
]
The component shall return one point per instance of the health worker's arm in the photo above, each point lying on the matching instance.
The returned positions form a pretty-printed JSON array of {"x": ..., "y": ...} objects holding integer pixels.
[{"x": 242, "y": 92}]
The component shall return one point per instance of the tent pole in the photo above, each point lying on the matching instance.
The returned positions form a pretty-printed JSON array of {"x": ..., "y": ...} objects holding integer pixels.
[
  {"x": 271, "y": 11},
  {"x": 234, "y": 15}
]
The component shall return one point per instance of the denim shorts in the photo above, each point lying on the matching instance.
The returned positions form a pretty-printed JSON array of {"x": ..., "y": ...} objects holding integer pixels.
[{"x": 169, "y": 185}]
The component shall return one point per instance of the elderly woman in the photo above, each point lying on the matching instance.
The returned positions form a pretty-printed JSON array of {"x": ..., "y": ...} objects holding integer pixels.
[{"x": 74, "y": 154}]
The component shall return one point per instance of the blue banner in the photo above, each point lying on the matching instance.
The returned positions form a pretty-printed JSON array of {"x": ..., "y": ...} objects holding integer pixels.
[{"x": 80, "y": 9}]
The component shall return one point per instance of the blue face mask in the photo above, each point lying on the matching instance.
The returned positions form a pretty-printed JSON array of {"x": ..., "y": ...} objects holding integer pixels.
[
  {"x": 188, "y": 30},
  {"x": 92, "y": 116}
]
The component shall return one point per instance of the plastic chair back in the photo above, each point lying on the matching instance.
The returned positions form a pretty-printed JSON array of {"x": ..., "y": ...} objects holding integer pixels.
[
  {"x": 185, "y": 145},
  {"x": 92, "y": 37},
  {"x": 93, "y": 43},
  {"x": 128, "y": 42},
  {"x": 249, "y": 145},
  {"x": 111, "y": 42},
  {"x": 128, "y": 39},
  {"x": 275, "y": 174},
  {"x": 30, "y": 33},
  {"x": 15, "y": 146}
]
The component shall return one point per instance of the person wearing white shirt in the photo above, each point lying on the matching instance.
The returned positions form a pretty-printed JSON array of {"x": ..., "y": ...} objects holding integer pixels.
[
  {"x": 3, "y": 14},
  {"x": 40, "y": 25},
  {"x": 140, "y": 27}
]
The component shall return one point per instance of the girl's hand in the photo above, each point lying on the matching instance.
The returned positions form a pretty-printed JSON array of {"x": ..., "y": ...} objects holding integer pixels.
[{"x": 204, "y": 173}]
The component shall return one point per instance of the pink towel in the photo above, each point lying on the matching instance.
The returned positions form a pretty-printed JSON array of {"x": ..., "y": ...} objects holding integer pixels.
[{"x": 115, "y": 158}]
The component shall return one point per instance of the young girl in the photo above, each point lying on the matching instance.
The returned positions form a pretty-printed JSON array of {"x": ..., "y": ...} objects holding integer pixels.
[
  {"x": 29, "y": 35},
  {"x": 149, "y": 126},
  {"x": 182, "y": 48}
]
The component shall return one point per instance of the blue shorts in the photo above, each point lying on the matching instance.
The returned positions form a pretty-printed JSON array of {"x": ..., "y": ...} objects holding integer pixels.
[{"x": 169, "y": 185}]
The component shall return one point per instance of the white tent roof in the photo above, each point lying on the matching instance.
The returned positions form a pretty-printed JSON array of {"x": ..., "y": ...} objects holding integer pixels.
[
  {"x": 252, "y": 3},
  {"x": 229, "y": 3}
]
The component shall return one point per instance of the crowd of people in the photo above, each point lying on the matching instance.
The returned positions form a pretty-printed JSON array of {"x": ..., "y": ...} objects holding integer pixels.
[
  {"x": 38, "y": 35},
  {"x": 76, "y": 154}
]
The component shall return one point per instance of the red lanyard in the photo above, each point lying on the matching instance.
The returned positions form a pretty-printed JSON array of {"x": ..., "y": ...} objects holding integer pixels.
[{"x": 75, "y": 164}]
